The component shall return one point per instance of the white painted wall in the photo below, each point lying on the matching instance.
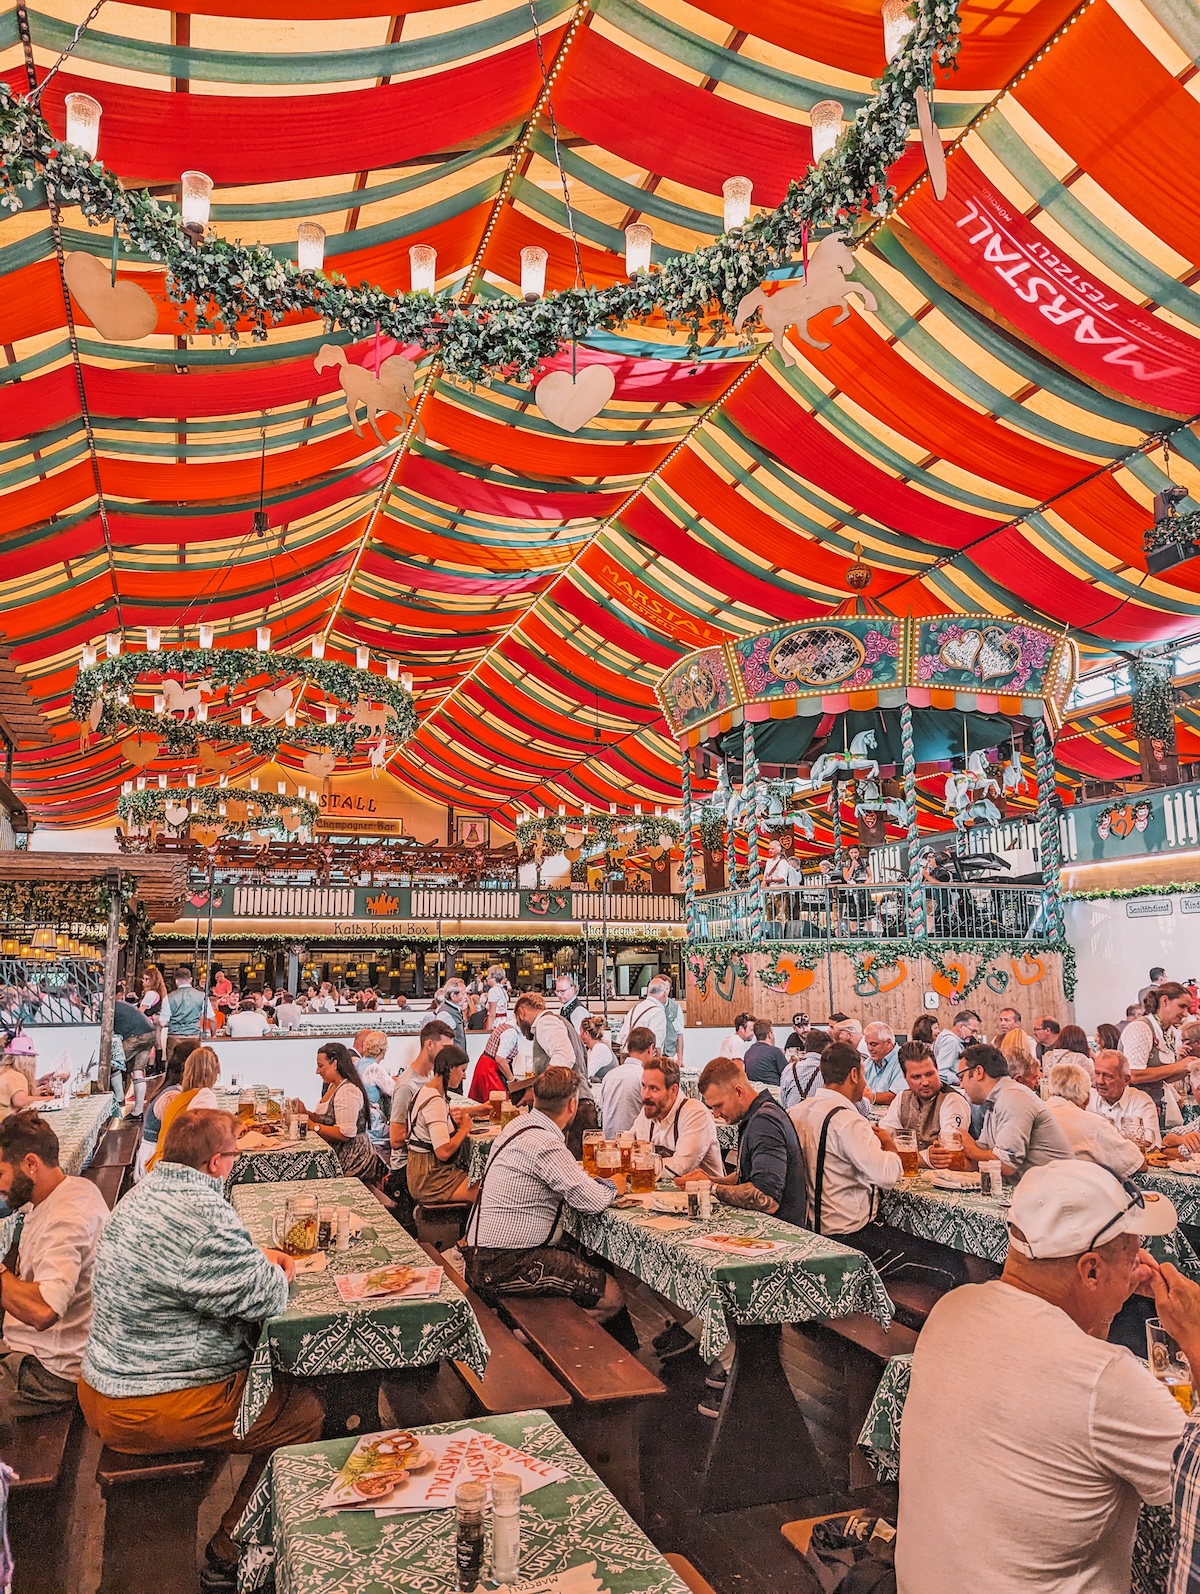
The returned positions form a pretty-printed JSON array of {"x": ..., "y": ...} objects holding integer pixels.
[
  {"x": 47, "y": 838},
  {"x": 1117, "y": 943}
]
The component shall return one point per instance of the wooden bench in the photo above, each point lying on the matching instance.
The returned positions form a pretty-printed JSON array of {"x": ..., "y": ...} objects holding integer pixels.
[
  {"x": 853, "y": 1352},
  {"x": 152, "y": 1506},
  {"x": 441, "y": 1225},
  {"x": 912, "y": 1300},
  {"x": 687, "y": 1573},
  {"x": 44, "y": 1453},
  {"x": 108, "y": 1179},
  {"x": 608, "y": 1386},
  {"x": 118, "y": 1148},
  {"x": 515, "y": 1380}
]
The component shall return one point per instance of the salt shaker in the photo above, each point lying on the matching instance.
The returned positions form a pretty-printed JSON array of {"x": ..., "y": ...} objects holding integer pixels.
[
  {"x": 343, "y": 1229},
  {"x": 506, "y": 1527}
]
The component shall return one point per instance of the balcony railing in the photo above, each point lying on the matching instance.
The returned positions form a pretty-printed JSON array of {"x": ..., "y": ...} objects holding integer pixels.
[
  {"x": 454, "y": 902},
  {"x": 626, "y": 907},
  {"x": 875, "y": 912}
]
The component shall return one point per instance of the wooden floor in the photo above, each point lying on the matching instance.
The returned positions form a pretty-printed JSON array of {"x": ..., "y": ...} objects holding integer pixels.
[{"x": 738, "y": 1552}]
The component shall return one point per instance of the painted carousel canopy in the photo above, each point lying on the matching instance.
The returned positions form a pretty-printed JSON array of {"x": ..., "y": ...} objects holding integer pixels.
[{"x": 983, "y": 413}]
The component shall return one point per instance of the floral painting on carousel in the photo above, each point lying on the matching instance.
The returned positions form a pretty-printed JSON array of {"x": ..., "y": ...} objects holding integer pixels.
[
  {"x": 846, "y": 654},
  {"x": 698, "y": 689},
  {"x": 984, "y": 654}
]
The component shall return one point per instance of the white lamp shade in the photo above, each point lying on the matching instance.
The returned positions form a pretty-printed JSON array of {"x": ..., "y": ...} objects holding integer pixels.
[
  {"x": 826, "y": 118},
  {"x": 310, "y": 246},
  {"x": 247, "y": 711},
  {"x": 262, "y": 638},
  {"x": 638, "y": 239},
  {"x": 197, "y": 198},
  {"x": 83, "y": 122},
  {"x": 393, "y": 669},
  {"x": 162, "y": 783},
  {"x": 160, "y": 703},
  {"x": 191, "y": 780},
  {"x": 330, "y": 714},
  {"x": 422, "y": 260},
  {"x": 112, "y": 644},
  {"x": 737, "y": 191},
  {"x": 141, "y": 783},
  {"x": 533, "y": 271},
  {"x": 897, "y": 25},
  {"x": 202, "y": 713},
  {"x": 206, "y": 636},
  {"x": 153, "y": 639},
  {"x": 318, "y": 647},
  {"x": 254, "y": 783},
  {"x": 362, "y": 657},
  {"x": 88, "y": 656}
]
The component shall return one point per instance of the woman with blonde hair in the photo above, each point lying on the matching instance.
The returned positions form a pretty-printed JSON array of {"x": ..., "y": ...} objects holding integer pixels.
[
  {"x": 371, "y": 1045},
  {"x": 200, "y": 1074},
  {"x": 1016, "y": 1040}
]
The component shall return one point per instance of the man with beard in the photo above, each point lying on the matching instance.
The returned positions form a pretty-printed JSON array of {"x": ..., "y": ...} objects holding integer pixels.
[
  {"x": 927, "y": 1106},
  {"x": 47, "y": 1298}
]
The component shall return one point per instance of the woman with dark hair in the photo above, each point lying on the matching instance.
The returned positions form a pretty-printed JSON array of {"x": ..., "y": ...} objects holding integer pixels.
[
  {"x": 925, "y": 1028},
  {"x": 436, "y": 1131},
  {"x": 1108, "y": 1038},
  {"x": 1071, "y": 1044},
  {"x": 343, "y": 1112}
]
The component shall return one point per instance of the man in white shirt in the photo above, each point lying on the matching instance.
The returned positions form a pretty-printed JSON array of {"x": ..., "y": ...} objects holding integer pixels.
[
  {"x": 247, "y": 1022},
  {"x": 497, "y": 997},
  {"x": 927, "y": 1107},
  {"x": 949, "y": 1044},
  {"x": 1115, "y": 1098},
  {"x": 621, "y": 1088},
  {"x": 288, "y": 1013},
  {"x": 737, "y": 1044},
  {"x": 683, "y": 1132},
  {"x": 434, "y": 1036},
  {"x": 650, "y": 1013},
  {"x": 1091, "y": 1136},
  {"x": 846, "y": 1158},
  {"x": 47, "y": 1300},
  {"x": 570, "y": 1004},
  {"x": 1010, "y": 1483}
]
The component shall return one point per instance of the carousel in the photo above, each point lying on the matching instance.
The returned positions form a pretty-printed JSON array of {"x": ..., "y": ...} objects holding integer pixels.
[{"x": 879, "y": 833}]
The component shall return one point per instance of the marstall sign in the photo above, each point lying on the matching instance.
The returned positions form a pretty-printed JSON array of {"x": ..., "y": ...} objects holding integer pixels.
[{"x": 1050, "y": 299}]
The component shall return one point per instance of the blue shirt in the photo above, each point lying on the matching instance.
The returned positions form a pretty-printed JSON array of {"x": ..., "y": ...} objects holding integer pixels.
[
  {"x": 769, "y": 1157},
  {"x": 887, "y": 1075}
]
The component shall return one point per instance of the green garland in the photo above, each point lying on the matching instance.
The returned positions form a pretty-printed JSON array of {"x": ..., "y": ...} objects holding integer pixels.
[
  {"x": 624, "y": 935},
  {"x": 1176, "y": 888},
  {"x": 43, "y": 903},
  {"x": 1152, "y": 700},
  {"x": 711, "y": 824},
  {"x": 227, "y": 283},
  {"x": 601, "y": 832},
  {"x": 232, "y": 667},
  {"x": 143, "y": 806}
]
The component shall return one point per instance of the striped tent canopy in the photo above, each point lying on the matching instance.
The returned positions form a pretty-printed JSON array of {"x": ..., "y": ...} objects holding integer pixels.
[{"x": 983, "y": 422}]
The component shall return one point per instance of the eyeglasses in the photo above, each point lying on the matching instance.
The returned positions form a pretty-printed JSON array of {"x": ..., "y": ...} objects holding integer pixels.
[{"x": 1136, "y": 1199}]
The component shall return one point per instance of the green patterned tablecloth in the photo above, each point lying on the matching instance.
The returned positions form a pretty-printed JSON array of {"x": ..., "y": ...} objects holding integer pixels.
[
  {"x": 477, "y": 1147},
  {"x": 880, "y": 1443},
  {"x": 1183, "y": 1189},
  {"x": 310, "y": 1158},
  {"x": 808, "y": 1277},
  {"x": 287, "y": 1541},
  {"x": 78, "y": 1126},
  {"x": 966, "y": 1221},
  {"x": 319, "y": 1333}
]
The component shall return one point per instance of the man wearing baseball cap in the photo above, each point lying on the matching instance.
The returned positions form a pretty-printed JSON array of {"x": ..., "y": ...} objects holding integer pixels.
[{"x": 1027, "y": 1441}]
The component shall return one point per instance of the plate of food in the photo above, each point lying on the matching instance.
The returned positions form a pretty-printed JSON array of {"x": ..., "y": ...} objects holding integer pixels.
[
  {"x": 674, "y": 1201},
  {"x": 948, "y": 1179},
  {"x": 393, "y": 1279},
  {"x": 378, "y": 1466}
]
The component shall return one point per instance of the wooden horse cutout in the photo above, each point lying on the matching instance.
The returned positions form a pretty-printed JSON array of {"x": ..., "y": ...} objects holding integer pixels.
[
  {"x": 823, "y": 286},
  {"x": 393, "y": 390}
]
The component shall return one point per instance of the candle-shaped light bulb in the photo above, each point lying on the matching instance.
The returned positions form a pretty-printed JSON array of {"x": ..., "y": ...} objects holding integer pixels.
[
  {"x": 422, "y": 261},
  {"x": 310, "y": 246},
  {"x": 83, "y": 122},
  {"x": 638, "y": 239},
  {"x": 533, "y": 271},
  {"x": 737, "y": 191}
]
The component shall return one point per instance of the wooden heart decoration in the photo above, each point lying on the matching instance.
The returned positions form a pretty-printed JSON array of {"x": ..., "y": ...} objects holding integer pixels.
[
  {"x": 322, "y": 765},
  {"x": 952, "y": 982},
  {"x": 570, "y": 402},
  {"x": 176, "y": 813},
  {"x": 120, "y": 312},
  {"x": 140, "y": 750},
  {"x": 1024, "y": 978},
  {"x": 208, "y": 835},
  {"x": 795, "y": 978},
  {"x": 999, "y": 656},
  {"x": 290, "y": 822},
  {"x": 960, "y": 652},
  {"x": 273, "y": 702},
  {"x": 935, "y": 155},
  {"x": 237, "y": 811}
]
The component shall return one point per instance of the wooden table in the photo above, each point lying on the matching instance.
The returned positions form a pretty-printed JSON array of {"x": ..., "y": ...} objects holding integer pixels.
[
  {"x": 289, "y": 1541},
  {"x": 760, "y": 1448},
  {"x": 319, "y": 1333}
]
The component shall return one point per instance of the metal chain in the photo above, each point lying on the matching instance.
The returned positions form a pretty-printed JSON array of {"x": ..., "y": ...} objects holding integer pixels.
[
  {"x": 75, "y": 38},
  {"x": 562, "y": 176}
]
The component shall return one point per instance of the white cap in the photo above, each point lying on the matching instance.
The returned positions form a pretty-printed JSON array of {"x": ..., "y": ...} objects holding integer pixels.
[{"x": 1065, "y": 1208}]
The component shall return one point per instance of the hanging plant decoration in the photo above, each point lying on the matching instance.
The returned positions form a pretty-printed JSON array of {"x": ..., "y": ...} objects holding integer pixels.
[
  {"x": 220, "y": 285},
  {"x": 595, "y": 833},
  {"x": 177, "y": 723},
  {"x": 175, "y": 806}
]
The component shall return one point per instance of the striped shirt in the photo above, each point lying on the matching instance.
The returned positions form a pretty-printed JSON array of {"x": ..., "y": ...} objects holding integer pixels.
[
  {"x": 178, "y": 1287},
  {"x": 530, "y": 1175},
  {"x": 1184, "y": 1576}
]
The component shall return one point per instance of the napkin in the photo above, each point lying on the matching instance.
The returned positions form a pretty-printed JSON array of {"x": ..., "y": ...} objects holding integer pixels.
[
  {"x": 316, "y": 1263},
  {"x": 664, "y": 1225}
]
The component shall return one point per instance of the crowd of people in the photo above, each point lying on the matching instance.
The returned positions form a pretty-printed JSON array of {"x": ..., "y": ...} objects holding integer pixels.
[{"x": 148, "y": 1316}]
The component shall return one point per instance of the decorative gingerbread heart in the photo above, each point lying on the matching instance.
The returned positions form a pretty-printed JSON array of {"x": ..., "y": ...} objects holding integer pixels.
[
  {"x": 273, "y": 702},
  {"x": 952, "y": 982},
  {"x": 795, "y": 978},
  {"x": 1026, "y": 960},
  {"x": 290, "y": 822},
  {"x": 120, "y": 312},
  {"x": 207, "y": 835},
  {"x": 960, "y": 653},
  {"x": 175, "y": 813},
  {"x": 999, "y": 656},
  {"x": 140, "y": 750},
  {"x": 322, "y": 765},
  {"x": 571, "y": 402}
]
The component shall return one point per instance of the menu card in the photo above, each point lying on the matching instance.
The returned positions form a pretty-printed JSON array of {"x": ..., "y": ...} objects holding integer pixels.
[{"x": 395, "y": 1472}]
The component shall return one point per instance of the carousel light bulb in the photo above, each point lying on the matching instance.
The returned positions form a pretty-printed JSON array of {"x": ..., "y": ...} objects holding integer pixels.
[
  {"x": 247, "y": 711},
  {"x": 141, "y": 783},
  {"x": 406, "y": 681},
  {"x": 197, "y": 200},
  {"x": 393, "y": 669},
  {"x": 310, "y": 246},
  {"x": 223, "y": 780},
  {"x": 737, "y": 191},
  {"x": 330, "y": 714},
  {"x": 162, "y": 783},
  {"x": 153, "y": 639},
  {"x": 318, "y": 647},
  {"x": 422, "y": 262},
  {"x": 112, "y": 644},
  {"x": 262, "y": 638},
  {"x": 638, "y": 239},
  {"x": 826, "y": 118},
  {"x": 126, "y": 788},
  {"x": 362, "y": 657},
  {"x": 533, "y": 271},
  {"x": 222, "y": 810},
  {"x": 206, "y": 636},
  {"x": 612, "y": 808},
  {"x": 289, "y": 717},
  {"x": 254, "y": 783},
  {"x": 282, "y": 787},
  {"x": 83, "y": 122},
  {"x": 897, "y": 25}
]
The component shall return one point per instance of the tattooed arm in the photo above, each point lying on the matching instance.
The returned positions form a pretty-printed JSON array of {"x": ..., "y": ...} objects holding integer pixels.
[{"x": 747, "y": 1196}]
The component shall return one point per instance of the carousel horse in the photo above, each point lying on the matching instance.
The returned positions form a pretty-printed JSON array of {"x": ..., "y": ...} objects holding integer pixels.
[
  {"x": 871, "y": 801},
  {"x": 970, "y": 784},
  {"x": 855, "y": 764},
  {"x": 822, "y": 286},
  {"x": 981, "y": 812},
  {"x": 803, "y": 821},
  {"x": 1013, "y": 776}
]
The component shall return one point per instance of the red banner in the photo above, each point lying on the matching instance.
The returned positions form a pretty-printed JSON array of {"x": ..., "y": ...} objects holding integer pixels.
[{"x": 1050, "y": 299}]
